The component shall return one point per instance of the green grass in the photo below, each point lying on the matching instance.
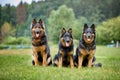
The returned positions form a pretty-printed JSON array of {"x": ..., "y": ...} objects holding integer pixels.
[{"x": 16, "y": 65}]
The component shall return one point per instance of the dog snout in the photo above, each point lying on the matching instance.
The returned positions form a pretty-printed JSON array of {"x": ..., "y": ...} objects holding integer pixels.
[
  {"x": 88, "y": 36},
  {"x": 37, "y": 31},
  {"x": 67, "y": 40}
]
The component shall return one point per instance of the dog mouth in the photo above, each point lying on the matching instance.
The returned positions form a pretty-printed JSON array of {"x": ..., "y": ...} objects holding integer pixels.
[
  {"x": 37, "y": 35},
  {"x": 88, "y": 39},
  {"x": 67, "y": 44}
]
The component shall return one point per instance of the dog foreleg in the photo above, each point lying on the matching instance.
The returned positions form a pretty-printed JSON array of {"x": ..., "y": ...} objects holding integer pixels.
[
  {"x": 90, "y": 59},
  {"x": 44, "y": 59},
  {"x": 60, "y": 61},
  {"x": 71, "y": 61},
  {"x": 36, "y": 59},
  {"x": 80, "y": 60}
]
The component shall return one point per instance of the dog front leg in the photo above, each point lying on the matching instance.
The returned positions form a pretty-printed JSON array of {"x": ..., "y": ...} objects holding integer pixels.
[
  {"x": 44, "y": 59},
  {"x": 60, "y": 61},
  {"x": 80, "y": 60},
  {"x": 71, "y": 61},
  {"x": 36, "y": 59},
  {"x": 90, "y": 59}
]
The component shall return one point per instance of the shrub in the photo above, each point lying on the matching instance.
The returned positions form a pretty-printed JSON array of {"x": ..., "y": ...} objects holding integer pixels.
[{"x": 15, "y": 41}]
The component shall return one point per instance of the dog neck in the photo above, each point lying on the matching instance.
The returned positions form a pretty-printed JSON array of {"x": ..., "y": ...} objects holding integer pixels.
[
  {"x": 39, "y": 41},
  {"x": 89, "y": 47},
  {"x": 66, "y": 48}
]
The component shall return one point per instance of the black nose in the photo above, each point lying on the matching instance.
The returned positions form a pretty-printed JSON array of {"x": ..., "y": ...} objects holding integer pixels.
[
  {"x": 68, "y": 41},
  {"x": 88, "y": 36},
  {"x": 37, "y": 31}
]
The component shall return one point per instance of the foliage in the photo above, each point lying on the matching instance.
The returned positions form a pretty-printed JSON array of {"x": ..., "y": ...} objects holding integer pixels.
[
  {"x": 63, "y": 17},
  {"x": 78, "y": 27},
  {"x": 20, "y": 13},
  {"x": 16, "y": 65},
  {"x": 7, "y": 30},
  {"x": 20, "y": 40},
  {"x": 92, "y": 11},
  {"x": 109, "y": 30},
  {"x": 24, "y": 28}
]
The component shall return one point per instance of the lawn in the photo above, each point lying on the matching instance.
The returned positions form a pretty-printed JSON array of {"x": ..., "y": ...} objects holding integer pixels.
[{"x": 15, "y": 64}]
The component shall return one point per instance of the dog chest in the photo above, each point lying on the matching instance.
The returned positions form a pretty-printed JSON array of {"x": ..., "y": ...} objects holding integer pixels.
[
  {"x": 87, "y": 52},
  {"x": 39, "y": 48}
]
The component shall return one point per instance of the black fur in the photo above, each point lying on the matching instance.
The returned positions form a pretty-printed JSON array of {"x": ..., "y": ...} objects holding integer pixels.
[
  {"x": 67, "y": 36},
  {"x": 39, "y": 40},
  {"x": 87, "y": 34}
]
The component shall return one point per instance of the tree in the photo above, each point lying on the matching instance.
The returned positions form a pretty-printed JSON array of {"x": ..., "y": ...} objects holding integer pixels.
[
  {"x": 63, "y": 17},
  {"x": 20, "y": 13},
  {"x": 7, "y": 30},
  {"x": 109, "y": 30}
]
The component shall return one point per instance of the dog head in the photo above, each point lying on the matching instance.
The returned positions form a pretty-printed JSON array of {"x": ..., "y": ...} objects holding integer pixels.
[
  {"x": 37, "y": 29},
  {"x": 89, "y": 33},
  {"x": 66, "y": 38}
]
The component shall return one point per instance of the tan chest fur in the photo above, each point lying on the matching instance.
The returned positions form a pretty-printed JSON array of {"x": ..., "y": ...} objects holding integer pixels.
[
  {"x": 87, "y": 52},
  {"x": 39, "y": 48}
]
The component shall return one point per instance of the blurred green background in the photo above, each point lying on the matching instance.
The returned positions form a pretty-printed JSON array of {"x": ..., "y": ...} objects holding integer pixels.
[{"x": 15, "y": 21}]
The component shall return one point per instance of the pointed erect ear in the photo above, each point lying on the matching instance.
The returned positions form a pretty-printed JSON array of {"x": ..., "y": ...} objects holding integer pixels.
[
  {"x": 70, "y": 30},
  {"x": 40, "y": 21},
  {"x": 63, "y": 30},
  {"x": 93, "y": 27},
  {"x": 85, "y": 26},
  {"x": 34, "y": 21}
]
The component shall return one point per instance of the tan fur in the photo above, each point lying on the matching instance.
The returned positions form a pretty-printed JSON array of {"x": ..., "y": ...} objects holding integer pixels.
[
  {"x": 63, "y": 42},
  {"x": 83, "y": 55},
  {"x": 91, "y": 40},
  {"x": 70, "y": 59},
  {"x": 40, "y": 49}
]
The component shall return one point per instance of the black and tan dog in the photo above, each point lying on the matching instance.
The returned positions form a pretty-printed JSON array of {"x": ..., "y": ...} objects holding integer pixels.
[
  {"x": 41, "y": 51},
  {"x": 66, "y": 49},
  {"x": 86, "y": 48}
]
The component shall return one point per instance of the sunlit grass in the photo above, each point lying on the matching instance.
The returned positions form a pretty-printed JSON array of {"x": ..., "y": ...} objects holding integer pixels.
[{"x": 16, "y": 65}]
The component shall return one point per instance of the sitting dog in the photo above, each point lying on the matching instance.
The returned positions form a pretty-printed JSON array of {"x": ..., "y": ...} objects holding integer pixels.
[
  {"x": 86, "y": 48},
  {"x": 41, "y": 50},
  {"x": 66, "y": 49}
]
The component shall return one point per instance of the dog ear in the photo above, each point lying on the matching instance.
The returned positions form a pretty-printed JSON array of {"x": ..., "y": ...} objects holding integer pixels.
[
  {"x": 41, "y": 23},
  {"x": 93, "y": 27},
  {"x": 34, "y": 21},
  {"x": 70, "y": 30},
  {"x": 63, "y": 30},
  {"x": 85, "y": 26}
]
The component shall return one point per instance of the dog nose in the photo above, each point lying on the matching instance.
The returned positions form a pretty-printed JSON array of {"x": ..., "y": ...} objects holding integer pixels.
[
  {"x": 37, "y": 31},
  {"x": 67, "y": 41},
  {"x": 88, "y": 36}
]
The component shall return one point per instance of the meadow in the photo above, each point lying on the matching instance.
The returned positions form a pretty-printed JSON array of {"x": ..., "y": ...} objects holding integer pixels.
[{"x": 15, "y": 64}]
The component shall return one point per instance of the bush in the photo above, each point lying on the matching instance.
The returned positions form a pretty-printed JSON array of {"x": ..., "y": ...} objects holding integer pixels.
[
  {"x": 109, "y": 31},
  {"x": 20, "y": 40}
]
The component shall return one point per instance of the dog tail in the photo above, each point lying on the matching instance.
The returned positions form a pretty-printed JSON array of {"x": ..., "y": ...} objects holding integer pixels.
[{"x": 97, "y": 65}]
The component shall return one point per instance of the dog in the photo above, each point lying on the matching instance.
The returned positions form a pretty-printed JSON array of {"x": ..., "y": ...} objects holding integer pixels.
[
  {"x": 64, "y": 57},
  {"x": 40, "y": 47},
  {"x": 86, "y": 48}
]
